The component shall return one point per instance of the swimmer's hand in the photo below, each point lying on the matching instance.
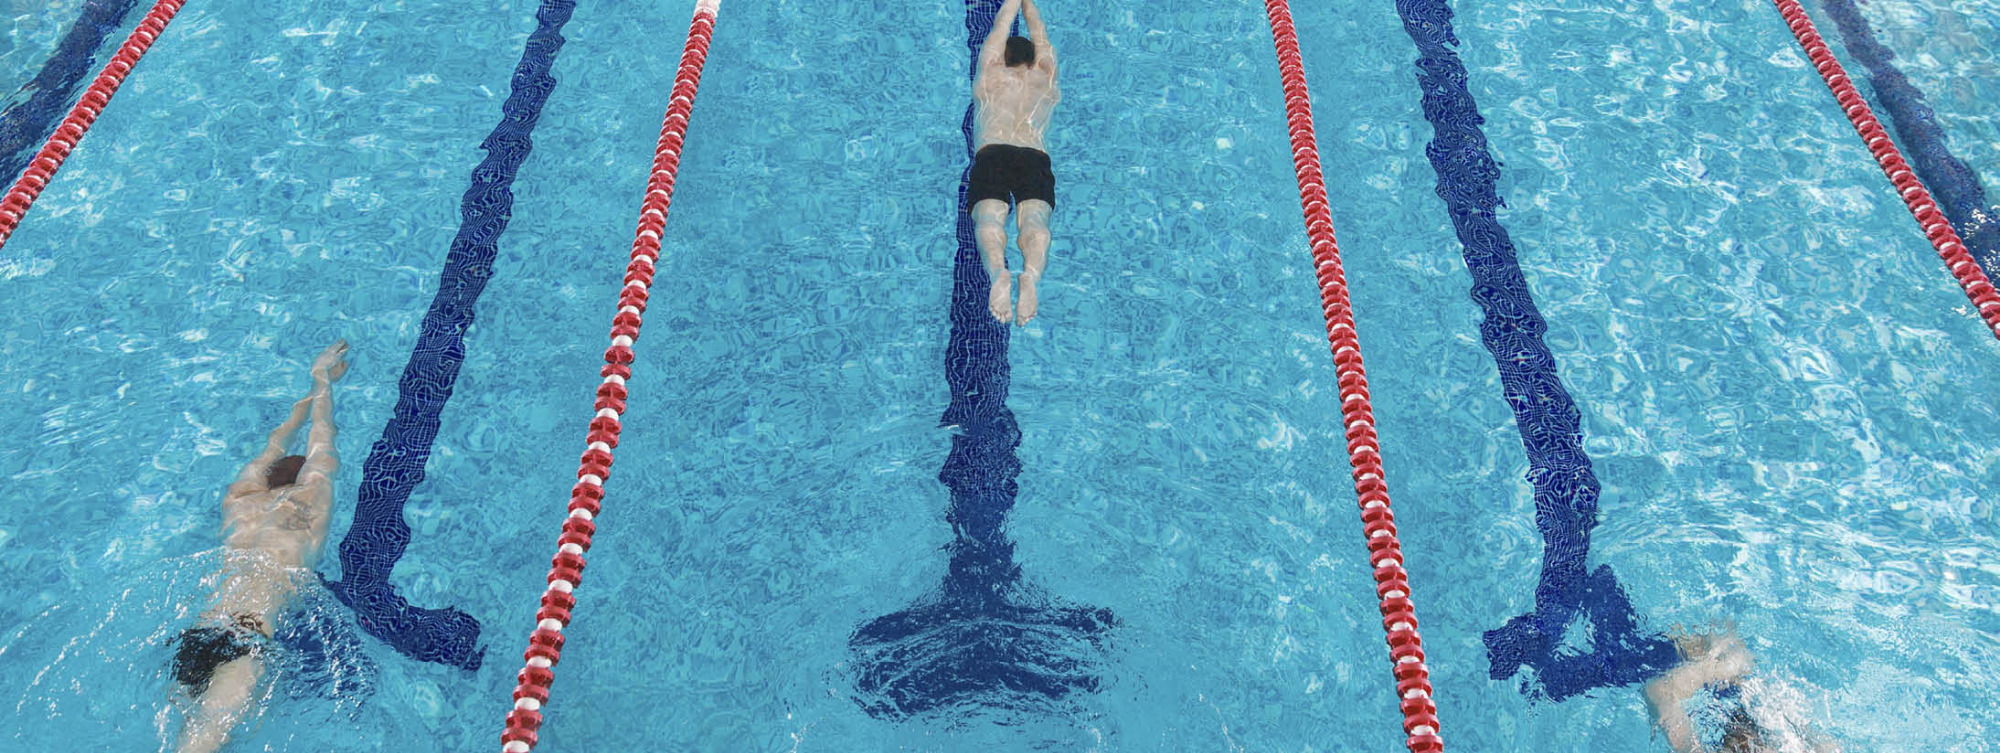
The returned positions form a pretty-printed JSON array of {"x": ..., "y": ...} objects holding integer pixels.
[
  {"x": 1715, "y": 658},
  {"x": 1729, "y": 659},
  {"x": 332, "y": 363}
]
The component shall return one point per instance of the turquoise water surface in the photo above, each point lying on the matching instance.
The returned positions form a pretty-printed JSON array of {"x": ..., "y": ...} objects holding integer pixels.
[{"x": 1782, "y": 390}]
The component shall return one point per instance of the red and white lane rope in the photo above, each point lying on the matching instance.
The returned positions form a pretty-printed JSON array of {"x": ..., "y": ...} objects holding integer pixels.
[
  {"x": 531, "y": 691},
  {"x": 50, "y": 159},
  {"x": 1385, "y": 552},
  {"x": 1936, "y": 228}
]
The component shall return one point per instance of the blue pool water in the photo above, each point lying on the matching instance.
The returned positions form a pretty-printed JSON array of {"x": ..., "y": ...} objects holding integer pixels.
[{"x": 1777, "y": 385}]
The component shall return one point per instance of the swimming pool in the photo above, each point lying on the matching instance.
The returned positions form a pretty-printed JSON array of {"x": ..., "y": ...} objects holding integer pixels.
[{"x": 1777, "y": 382}]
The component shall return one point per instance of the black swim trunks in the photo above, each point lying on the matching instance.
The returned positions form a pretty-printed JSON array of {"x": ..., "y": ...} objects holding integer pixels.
[
  {"x": 1005, "y": 171},
  {"x": 203, "y": 649}
]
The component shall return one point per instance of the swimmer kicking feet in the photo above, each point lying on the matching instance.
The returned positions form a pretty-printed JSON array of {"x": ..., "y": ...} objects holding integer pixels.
[
  {"x": 274, "y": 521},
  {"x": 1016, "y": 93},
  {"x": 1720, "y": 663}
]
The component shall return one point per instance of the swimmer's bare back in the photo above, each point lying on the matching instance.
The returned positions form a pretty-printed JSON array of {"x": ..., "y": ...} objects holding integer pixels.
[
  {"x": 274, "y": 520},
  {"x": 1015, "y": 102},
  {"x": 1016, "y": 96}
]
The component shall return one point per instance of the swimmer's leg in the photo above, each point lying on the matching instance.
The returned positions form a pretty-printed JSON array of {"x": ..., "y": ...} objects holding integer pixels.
[
  {"x": 989, "y": 219},
  {"x": 1033, "y": 217},
  {"x": 226, "y": 705}
]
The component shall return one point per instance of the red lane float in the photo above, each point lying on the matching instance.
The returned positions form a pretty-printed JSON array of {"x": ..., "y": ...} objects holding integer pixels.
[
  {"x": 1936, "y": 228},
  {"x": 1385, "y": 552},
  {"x": 531, "y": 691},
  {"x": 50, "y": 159}
]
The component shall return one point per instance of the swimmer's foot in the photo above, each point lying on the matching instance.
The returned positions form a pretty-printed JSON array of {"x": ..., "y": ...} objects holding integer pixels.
[
  {"x": 1028, "y": 297},
  {"x": 1002, "y": 300}
]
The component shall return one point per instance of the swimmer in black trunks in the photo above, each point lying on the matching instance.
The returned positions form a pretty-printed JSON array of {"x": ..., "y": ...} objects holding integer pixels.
[
  {"x": 1719, "y": 663},
  {"x": 1016, "y": 93},
  {"x": 274, "y": 522}
]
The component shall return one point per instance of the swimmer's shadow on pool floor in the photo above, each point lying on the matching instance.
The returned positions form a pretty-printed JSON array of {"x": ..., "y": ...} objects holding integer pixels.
[{"x": 1008, "y": 649}]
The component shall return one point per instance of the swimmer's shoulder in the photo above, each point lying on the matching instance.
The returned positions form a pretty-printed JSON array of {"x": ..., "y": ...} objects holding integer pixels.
[
  {"x": 250, "y": 508},
  {"x": 251, "y": 498}
]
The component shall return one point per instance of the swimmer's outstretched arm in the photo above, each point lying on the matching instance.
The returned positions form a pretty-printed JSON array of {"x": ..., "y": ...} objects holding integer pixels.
[
  {"x": 321, "y": 457},
  {"x": 327, "y": 368},
  {"x": 1664, "y": 695},
  {"x": 1032, "y": 18},
  {"x": 1707, "y": 659},
  {"x": 996, "y": 40},
  {"x": 251, "y": 479}
]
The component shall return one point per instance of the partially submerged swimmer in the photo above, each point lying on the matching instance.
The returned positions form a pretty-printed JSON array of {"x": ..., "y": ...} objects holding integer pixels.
[
  {"x": 1718, "y": 662},
  {"x": 1016, "y": 93},
  {"x": 274, "y": 520}
]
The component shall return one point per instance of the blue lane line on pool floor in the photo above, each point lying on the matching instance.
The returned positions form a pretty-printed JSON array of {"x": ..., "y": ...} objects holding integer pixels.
[
  {"x": 1954, "y": 185},
  {"x": 25, "y": 126},
  {"x": 1565, "y": 489},
  {"x": 985, "y": 638},
  {"x": 396, "y": 463}
]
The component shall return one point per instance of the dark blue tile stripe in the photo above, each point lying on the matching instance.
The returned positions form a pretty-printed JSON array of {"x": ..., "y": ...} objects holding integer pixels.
[
  {"x": 27, "y": 125},
  {"x": 1924, "y": 142},
  {"x": 984, "y": 638},
  {"x": 982, "y": 467},
  {"x": 396, "y": 463},
  {"x": 1565, "y": 490}
]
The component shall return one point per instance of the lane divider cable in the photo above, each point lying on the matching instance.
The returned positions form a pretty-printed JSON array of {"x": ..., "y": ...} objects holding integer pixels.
[
  {"x": 43, "y": 167},
  {"x": 531, "y": 690},
  {"x": 1385, "y": 550},
  {"x": 1938, "y": 229}
]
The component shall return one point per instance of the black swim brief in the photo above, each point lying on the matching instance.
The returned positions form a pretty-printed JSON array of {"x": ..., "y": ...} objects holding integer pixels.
[
  {"x": 204, "y": 649},
  {"x": 1005, "y": 171}
]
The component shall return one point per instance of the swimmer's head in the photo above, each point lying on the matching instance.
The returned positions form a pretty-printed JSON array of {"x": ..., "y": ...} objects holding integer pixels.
[
  {"x": 285, "y": 472},
  {"x": 1020, "y": 52}
]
